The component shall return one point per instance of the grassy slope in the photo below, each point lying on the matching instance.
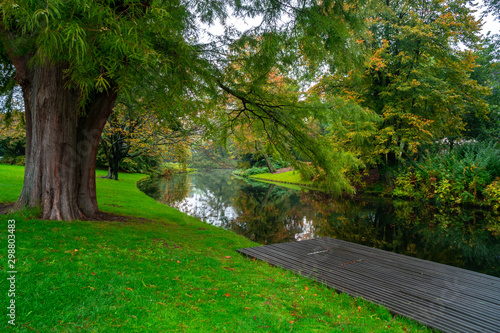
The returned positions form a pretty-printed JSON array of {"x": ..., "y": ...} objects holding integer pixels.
[{"x": 174, "y": 273}]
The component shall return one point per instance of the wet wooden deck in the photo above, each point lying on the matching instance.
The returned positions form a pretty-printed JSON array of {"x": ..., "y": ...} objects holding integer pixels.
[{"x": 443, "y": 297}]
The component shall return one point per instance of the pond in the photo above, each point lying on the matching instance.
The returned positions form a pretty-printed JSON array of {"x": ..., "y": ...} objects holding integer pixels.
[{"x": 267, "y": 214}]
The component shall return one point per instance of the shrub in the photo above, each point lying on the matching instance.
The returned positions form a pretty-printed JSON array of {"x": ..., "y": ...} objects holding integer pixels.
[
  {"x": 492, "y": 194},
  {"x": 7, "y": 160},
  {"x": 251, "y": 171},
  {"x": 456, "y": 176},
  {"x": 19, "y": 160}
]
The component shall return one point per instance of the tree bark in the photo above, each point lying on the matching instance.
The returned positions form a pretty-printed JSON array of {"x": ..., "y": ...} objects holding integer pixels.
[
  {"x": 113, "y": 166},
  {"x": 261, "y": 149},
  {"x": 113, "y": 149},
  {"x": 61, "y": 142}
]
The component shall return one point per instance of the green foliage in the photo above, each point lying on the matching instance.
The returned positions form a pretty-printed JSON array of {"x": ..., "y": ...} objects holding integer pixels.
[
  {"x": 456, "y": 176},
  {"x": 277, "y": 164},
  {"x": 288, "y": 177},
  {"x": 209, "y": 155},
  {"x": 12, "y": 145},
  {"x": 492, "y": 7},
  {"x": 251, "y": 171},
  {"x": 256, "y": 160},
  {"x": 487, "y": 73},
  {"x": 145, "y": 164},
  {"x": 257, "y": 165},
  {"x": 12, "y": 137},
  {"x": 20, "y": 160},
  {"x": 416, "y": 79},
  {"x": 492, "y": 194}
]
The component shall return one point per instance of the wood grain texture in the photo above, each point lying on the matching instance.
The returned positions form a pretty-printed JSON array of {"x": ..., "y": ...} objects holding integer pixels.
[{"x": 443, "y": 297}]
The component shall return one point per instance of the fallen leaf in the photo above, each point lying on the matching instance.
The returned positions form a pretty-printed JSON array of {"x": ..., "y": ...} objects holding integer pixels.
[
  {"x": 76, "y": 250},
  {"x": 291, "y": 321},
  {"x": 93, "y": 273},
  {"x": 227, "y": 295},
  {"x": 178, "y": 262},
  {"x": 307, "y": 288},
  {"x": 247, "y": 308},
  {"x": 129, "y": 289},
  {"x": 229, "y": 268},
  {"x": 227, "y": 257},
  {"x": 359, "y": 308}
]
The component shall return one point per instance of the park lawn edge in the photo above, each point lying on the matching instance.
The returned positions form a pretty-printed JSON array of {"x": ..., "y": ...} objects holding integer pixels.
[
  {"x": 161, "y": 271},
  {"x": 290, "y": 177}
]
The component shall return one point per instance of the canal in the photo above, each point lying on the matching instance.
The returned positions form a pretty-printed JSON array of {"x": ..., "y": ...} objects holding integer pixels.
[{"x": 267, "y": 214}]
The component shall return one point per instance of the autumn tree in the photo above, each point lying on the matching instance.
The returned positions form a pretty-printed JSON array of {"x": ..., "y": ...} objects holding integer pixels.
[
  {"x": 252, "y": 136},
  {"x": 207, "y": 153},
  {"x": 417, "y": 78},
  {"x": 132, "y": 131}
]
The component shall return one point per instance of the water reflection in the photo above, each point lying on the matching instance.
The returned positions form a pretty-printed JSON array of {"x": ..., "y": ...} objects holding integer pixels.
[{"x": 269, "y": 214}]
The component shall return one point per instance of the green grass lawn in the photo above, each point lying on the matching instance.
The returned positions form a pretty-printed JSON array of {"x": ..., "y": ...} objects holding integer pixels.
[
  {"x": 169, "y": 272},
  {"x": 289, "y": 177}
]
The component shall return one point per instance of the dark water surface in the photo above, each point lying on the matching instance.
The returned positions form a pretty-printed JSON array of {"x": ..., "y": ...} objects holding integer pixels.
[{"x": 270, "y": 214}]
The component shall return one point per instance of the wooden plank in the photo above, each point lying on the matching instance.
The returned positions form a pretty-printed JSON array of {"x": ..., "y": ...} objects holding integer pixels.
[
  {"x": 443, "y": 297},
  {"x": 423, "y": 290}
]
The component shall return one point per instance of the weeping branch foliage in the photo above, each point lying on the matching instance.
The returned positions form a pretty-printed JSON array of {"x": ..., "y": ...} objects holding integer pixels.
[{"x": 153, "y": 48}]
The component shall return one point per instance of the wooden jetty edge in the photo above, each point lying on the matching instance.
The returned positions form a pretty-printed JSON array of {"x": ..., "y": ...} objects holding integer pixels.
[{"x": 442, "y": 297}]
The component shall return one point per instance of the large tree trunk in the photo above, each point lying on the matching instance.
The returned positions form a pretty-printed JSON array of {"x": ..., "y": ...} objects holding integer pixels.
[{"x": 61, "y": 143}]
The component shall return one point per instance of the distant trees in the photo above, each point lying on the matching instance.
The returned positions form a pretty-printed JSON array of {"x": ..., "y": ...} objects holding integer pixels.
[
  {"x": 132, "y": 131},
  {"x": 487, "y": 74},
  {"x": 12, "y": 139},
  {"x": 417, "y": 78}
]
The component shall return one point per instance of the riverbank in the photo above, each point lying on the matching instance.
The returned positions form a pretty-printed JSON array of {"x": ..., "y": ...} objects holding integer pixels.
[
  {"x": 291, "y": 177},
  {"x": 157, "y": 269}
]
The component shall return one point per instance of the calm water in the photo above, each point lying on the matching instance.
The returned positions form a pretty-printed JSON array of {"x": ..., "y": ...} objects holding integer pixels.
[{"x": 273, "y": 214}]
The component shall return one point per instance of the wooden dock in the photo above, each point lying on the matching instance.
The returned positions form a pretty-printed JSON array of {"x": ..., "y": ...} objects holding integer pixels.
[{"x": 443, "y": 297}]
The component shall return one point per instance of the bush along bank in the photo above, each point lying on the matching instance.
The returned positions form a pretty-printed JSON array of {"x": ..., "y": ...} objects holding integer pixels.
[{"x": 467, "y": 174}]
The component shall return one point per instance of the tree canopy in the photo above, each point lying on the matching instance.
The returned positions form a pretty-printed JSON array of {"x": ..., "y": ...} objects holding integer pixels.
[
  {"x": 73, "y": 58},
  {"x": 417, "y": 77}
]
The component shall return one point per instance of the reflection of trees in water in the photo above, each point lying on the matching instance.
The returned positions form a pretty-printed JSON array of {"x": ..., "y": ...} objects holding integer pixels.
[
  {"x": 210, "y": 198},
  {"x": 167, "y": 191},
  {"x": 273, "y": 214},
  {"x": 454, "y": 236},
  {"x": 173, "y": 190},
  {"x": 268, "y": 214}
]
